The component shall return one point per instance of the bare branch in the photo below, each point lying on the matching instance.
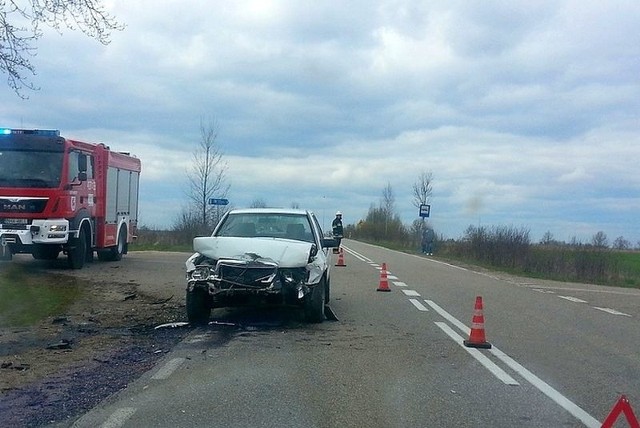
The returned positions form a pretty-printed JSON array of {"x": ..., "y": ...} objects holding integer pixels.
[{"x": 20, "y": 30}]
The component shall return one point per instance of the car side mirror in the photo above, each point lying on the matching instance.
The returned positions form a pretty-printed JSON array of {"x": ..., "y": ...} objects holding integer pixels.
[{"x": 330, "y": 243}]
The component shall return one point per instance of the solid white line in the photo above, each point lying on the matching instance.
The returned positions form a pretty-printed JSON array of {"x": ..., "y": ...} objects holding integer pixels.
[
  {"x": 611, "y": 311},
  {"x": 399, "y": 284},
  {"x": 547, "y": 390},
  {"x": 543, "y": 387},
  {"x": 119, "y": 417},
  {"x": 165, "y": 371},
  {"x": 419, "y": 305},
  {"x": 354, "y": 254},
  {"x": 482, "y": 359},
  {"x": 573, "y": 299},
  {"x": 411, "y": 293}
]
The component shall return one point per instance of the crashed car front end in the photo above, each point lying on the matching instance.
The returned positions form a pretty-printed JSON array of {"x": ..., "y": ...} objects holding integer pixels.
[{"x": 236, "y": 271}]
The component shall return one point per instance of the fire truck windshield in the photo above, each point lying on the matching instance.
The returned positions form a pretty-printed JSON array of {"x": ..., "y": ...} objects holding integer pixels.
[{"x": 27, "y": 168}]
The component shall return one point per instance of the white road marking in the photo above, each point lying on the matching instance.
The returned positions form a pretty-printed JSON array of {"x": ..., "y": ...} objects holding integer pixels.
[
  {"x": 419, "y": 305},
  {"x": 482, "y": 359},
  {"x": 611, "y": 311},
  {"x": 547, "y": 390},
  {"x": 540, "y": 290},
  {"x": 543, "y": 387},
  {"x": 165, "y": 371},
  {"x": 399, "y": 284},
  {"x": 411, "y": 293},
  {"x": 119, "y": 417},
  {"x": 573, "y": 299},
  {"x": 391, "y": 276}
]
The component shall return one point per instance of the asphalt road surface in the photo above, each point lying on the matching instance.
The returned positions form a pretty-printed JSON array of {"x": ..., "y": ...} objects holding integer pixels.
[{"x": 562, "y": 356}]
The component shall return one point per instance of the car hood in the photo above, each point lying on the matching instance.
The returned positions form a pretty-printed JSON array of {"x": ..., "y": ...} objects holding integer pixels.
[{"x": 286, "y": 253}]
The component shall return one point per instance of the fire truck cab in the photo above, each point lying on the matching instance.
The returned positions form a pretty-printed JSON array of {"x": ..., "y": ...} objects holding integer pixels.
[{"x": 61, "y": 195}]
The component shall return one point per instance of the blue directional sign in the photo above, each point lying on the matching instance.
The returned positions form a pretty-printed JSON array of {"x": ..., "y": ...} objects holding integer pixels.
[
  {"x": 218, "y": 201},
  {"x": 425, "y": 210}
]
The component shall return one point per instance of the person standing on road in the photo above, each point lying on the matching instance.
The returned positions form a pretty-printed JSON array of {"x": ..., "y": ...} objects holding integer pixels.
[
  {"x": 336, "y": 226},
  {"x": 428, "y": 236}
]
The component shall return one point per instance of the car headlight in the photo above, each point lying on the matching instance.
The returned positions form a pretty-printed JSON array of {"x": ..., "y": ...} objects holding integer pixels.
[
  {"x": 293, "y": 276},
  {"x": 201, "y": 273},
  {"x": 58, "y": 228}
]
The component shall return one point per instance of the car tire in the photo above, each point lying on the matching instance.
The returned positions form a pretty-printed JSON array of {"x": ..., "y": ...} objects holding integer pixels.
[
  {"x": 198, "y": 306},
  {"x": 314, "y": 303}
]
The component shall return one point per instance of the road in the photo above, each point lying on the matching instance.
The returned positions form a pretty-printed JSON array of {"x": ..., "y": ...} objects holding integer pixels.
[{"x": 562, "y": 355}]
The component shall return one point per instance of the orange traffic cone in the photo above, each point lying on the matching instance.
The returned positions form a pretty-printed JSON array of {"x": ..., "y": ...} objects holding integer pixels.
[
  {"x": 341, "y": 258},
  {"x": 476, "y": 336},
  {"x": 384, "y": 283}
]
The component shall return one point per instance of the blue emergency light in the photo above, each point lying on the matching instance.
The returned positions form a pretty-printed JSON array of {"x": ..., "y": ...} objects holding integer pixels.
[{"x": 43, "y": 132}]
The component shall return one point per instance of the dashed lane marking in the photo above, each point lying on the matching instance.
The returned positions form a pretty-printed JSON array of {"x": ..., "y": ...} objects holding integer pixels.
[
  {"x": 573, "y": 299},
  {"x": 419, "y": 305},
  {"x": 411, "y": 293},
  {"x": 399, "y": 284},
  {"x": 119, "y": 417},
  {"x": 611, "y": 311},
  {"x": 165, "y": 371}
]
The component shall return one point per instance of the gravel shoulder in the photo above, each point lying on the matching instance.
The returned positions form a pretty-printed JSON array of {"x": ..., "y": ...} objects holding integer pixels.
[{"x": 64, "y": 365}]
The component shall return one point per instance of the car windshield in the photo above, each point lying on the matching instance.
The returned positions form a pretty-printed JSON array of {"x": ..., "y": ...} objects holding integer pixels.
[{"x": 267, "y": 225}]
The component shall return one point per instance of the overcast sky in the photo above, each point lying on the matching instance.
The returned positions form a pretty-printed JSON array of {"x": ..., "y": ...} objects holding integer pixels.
[{"x": 527, "y": 113}]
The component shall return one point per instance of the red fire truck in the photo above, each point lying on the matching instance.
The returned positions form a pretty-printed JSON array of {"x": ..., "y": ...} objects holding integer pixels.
[{"x": 60, "y": 195}]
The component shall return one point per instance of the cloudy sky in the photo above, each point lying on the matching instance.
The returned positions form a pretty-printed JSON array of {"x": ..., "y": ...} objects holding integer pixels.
[{"x": 527, "y": 113}]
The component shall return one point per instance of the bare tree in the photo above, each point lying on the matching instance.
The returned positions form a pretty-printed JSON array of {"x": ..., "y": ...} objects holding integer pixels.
[
  {"x": 20, "y": 28},
  {"x": 600, "y": 240},
  {"x": 207, "y": 176},
  {"x": 388, "y": 200},
  {"x": 621, "y": 244},
  {"x": 422, "y": 189},
  {"x": 258, "y": 203}
]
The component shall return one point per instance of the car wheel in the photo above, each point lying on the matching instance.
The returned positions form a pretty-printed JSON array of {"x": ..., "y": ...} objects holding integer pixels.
[
  {"x": 198, "y": 306},
  {"x": 314, "y": 303}
]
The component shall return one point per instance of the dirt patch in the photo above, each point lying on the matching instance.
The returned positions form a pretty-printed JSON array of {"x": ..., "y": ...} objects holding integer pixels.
[{"x": 65, "y": 364}]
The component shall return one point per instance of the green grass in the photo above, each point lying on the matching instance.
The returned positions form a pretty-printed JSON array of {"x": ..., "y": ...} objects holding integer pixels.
[
  {"x": 629, "y": 265},
  {"x": 27, "y": 297}
]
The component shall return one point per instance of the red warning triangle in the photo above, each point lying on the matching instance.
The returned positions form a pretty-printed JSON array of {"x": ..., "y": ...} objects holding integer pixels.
[{"x": 622, "y": 406}]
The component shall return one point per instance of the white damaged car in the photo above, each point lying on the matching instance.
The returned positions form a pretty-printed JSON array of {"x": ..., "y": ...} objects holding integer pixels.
[{"x": 260, "y": 256}]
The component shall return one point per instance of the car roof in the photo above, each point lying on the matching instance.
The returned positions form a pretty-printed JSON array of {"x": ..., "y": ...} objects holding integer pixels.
[{"x": 269, "y": 211}]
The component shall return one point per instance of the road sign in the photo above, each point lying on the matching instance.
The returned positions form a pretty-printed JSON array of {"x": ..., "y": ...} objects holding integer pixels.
[
  {"x": 425, "y": 210},
  {"x": 217, "y": 201}
]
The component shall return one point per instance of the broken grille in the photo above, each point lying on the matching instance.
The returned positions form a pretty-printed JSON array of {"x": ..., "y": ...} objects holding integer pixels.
[{"x": 247, "y": 276}]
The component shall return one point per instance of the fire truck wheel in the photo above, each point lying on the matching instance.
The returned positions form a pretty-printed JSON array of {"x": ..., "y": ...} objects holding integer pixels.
[
  {"x": 114, "y": 254},
  {"x": 45, "y": 252},
  {"x": 5, "y": 253},
  {"x": 198, "y": 306},
  {"x": 77, "y": 253}
]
